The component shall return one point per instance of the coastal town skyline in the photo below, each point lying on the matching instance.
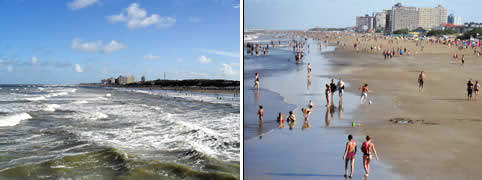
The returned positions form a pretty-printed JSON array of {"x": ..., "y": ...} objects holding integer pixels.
[
  {"x": 265, "y": 14},
  {"x": 79, "y": 41}
]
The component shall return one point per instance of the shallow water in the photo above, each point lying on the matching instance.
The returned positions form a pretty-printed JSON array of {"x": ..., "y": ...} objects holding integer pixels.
[{"x": 70, "y": 131}]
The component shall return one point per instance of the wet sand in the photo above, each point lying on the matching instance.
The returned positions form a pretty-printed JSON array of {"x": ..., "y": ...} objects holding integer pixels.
[
  {"x": 443, "y": 142},
  {"x": 311, "y": 149}
]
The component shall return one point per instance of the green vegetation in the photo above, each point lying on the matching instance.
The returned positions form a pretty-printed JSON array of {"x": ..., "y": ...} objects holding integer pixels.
[
  {"x": 441, "y": 32},
  {"x": 401, "y": 31},
  {"x": 472, "y": 33}
]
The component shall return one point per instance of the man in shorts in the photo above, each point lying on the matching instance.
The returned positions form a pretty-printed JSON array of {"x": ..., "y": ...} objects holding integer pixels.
[{"x": 421, "y": 77}]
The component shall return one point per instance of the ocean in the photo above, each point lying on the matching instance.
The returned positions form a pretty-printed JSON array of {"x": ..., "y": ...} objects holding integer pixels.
[{"x": 63, "y": 132}]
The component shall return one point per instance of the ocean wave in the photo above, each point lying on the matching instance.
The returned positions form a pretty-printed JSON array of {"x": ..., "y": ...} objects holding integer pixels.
[
  {"x": 51, "y": 107},
  {"x": 80, "y": 102},
  {"x": 108, "y": 95},
  {"x": 37, "y": 98},
  {"x": 12, "y": 120}
]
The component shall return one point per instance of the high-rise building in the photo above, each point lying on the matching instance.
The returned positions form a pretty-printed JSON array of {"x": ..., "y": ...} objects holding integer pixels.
[
  {"x": 380, "y": 20},
  {"x": 388, "y": 22},
  {"x": 429, "y": 18},
  {"x": 455, "y": 20},
  {"x": 364, "y": 23},
  {"x": 143, "y": 79},
  {"x": 403, "y": 17}
]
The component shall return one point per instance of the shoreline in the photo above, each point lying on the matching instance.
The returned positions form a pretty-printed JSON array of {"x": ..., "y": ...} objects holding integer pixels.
[
  {"x": 323, "y": 135},
  {"x": 212, "y": 90}
]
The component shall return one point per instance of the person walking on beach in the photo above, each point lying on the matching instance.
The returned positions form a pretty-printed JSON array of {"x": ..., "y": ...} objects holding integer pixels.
[
  {"x": 341, "y": 88},
  {"x": 463, "y": 59},
  {"x": 421, "y": 77},
  {"x": 367, "y": 148},
  {"x": 470, "y": 87},
  {"x": 327, "y": 94},
  {"x": 256, "y": 81},
  {"x": 260, "y": 114},
  {"x": 364, "y": 93},
  {"x": 309, "y": 68},
  {"x": 476, "y": 89},
  {"x": 349, "y": 155}
]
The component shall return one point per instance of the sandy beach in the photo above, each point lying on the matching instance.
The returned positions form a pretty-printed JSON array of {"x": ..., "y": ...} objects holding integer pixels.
[
  {"x": 443, "y": 140},
  {"x": 419, "y": 135}
]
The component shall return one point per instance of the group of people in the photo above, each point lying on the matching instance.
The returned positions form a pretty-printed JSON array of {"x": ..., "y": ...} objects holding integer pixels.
[
  {"x": 255, "y": 48},
  {"x": 350, "y": 151},
  {"x": 471, "y": 87},
  {"x": 389, "y": 54},
  {"x": 331, "y": 88}
]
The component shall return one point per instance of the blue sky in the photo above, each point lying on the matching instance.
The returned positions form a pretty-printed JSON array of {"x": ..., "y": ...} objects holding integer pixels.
[
  {"x": 75, "y": 41},
  {"x": 305, "y": 14}
]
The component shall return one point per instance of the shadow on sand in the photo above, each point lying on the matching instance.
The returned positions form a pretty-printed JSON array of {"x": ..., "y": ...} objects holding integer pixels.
[{"x": 304, "y": 175}]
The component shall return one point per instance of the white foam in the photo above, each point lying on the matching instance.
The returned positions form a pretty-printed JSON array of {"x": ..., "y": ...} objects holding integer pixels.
[
  {"x": 73, "y": 90},
  {"x": 99, "y": 115},
  {"x": 108, "y": 95},
  {"x": 38, "y": 98},
  {"x": 80, "y": 102},
  {"x": 12, "y": 120},
  {"x": 51, "y": 107}
]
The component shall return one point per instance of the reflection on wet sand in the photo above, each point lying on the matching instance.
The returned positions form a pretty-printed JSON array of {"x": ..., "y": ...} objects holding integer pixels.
[
  {"x": 308, "y": 84},
  {"x": 340, "y": 110},
  {"x": 306, "y": 125},
  {"x": 256, "y": 96},
  {"x": 327, "y": 117},
  {"x": 260, "y": 129}
]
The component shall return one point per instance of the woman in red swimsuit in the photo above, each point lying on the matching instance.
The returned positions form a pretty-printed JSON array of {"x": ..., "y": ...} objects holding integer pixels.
[{"x": 350, "y": 151}]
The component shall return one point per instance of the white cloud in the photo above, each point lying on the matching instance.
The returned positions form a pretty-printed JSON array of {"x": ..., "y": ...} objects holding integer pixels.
[
  {"x": 227, "y": 69},
  {"x": 194, "y": 19},
  {"x": 9, "y": 68},
  {"x": 78, "y": 68},
  {"x": 79, "y": 45},
  {"x": 204, "y": 59},
  {"x": 79, "y": 4},
  {"x": 136, "y": 17},
  {"x": 34, "y": 60},
  {"x": 151, "y": 57},
  {"x": 221, "y": 53},
  {"x": 236, "y": 6},
  {"x": 180, "y": 60},
  {"x": 113, "y": 46}
]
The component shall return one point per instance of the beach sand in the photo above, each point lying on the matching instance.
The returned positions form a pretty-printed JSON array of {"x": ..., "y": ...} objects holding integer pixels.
[{"x": 444, "y": 140}]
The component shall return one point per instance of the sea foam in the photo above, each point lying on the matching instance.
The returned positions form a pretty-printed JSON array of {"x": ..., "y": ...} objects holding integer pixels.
[{"x": 12, "y": 120}]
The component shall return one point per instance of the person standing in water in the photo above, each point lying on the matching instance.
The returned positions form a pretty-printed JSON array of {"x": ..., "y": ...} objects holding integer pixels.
[
  {"x": 309, "y": 68},
  {"x": 349, "y": 155},
  {"x": 364, "y": 93},
  {"x": 470, "y": 87},
  {"x": 332, "y": 87},
  {"x": 367, "y": 149},
  {"x": 281, "y": 120},
  {"x": 476, "y": 89},
  {"x": 327, "y": 94},
  {"x": 341, "y": 88},
  {"x": 260, "y": 114},
  {"x": 421, "y": 77},
  {"x": 256, "y": 81}
]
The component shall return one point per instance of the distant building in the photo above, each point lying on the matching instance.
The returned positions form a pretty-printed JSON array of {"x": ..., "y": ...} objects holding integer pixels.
[
  {"x": 388, "y": 22},
  {"x": 364, "y": 23},
  {"x": 380, "y": 19},
  {"x": 429, "y": 18},
  {"x": 123, "y": 80},
  {"x": 455, "y": 20},
  {"x": 403, "y": 17},
  {"x": 457, "y": 28},
  {"x": 143, "y": 79}
]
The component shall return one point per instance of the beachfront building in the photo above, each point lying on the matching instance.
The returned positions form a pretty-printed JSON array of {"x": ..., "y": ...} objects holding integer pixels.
[
  {"x": 123, "y": 80},
  {"x": 380, "y": 20},
  {"x": 364, "y": 23},
  {"x": 388, "y": 21},
  {"x": 403, "y": 17},
  {"x": 429, "y": 18},
  {"x": 143, "y": 79},
  {"x": 455, "y": 20}
]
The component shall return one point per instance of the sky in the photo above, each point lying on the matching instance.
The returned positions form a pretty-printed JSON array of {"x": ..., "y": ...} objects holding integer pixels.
[
  {"x": 305, "y": 14},
  {"x": 83, "y": 41}
]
